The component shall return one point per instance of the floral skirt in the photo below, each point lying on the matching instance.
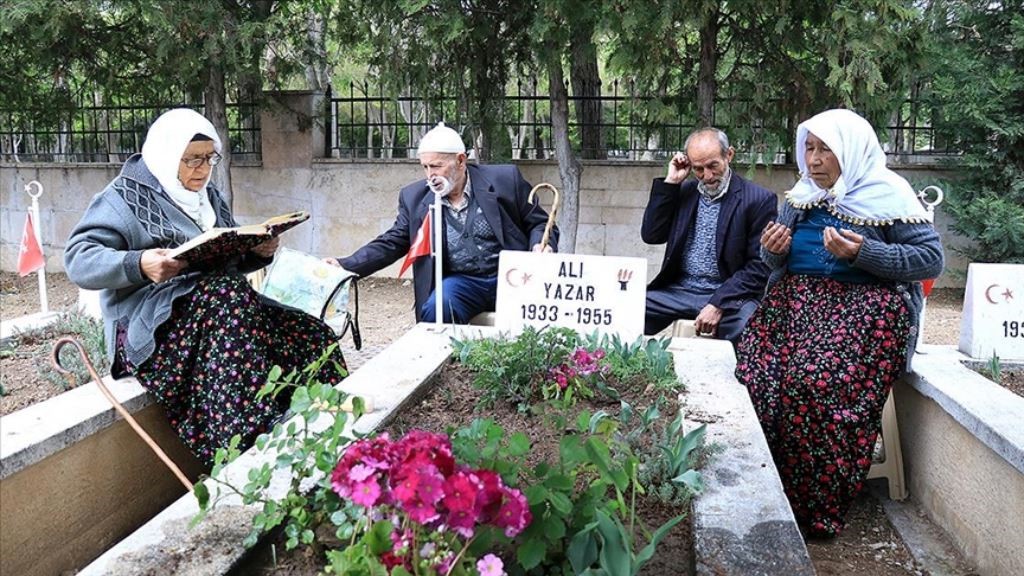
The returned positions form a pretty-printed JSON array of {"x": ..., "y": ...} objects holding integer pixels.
[
  {"x": 214, "y": 354},
  {"x": 818, "y": 359}
]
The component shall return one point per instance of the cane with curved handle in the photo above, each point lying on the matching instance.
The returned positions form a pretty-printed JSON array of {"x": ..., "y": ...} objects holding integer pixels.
[
  {"x": 117, "y": 405},
  {"x": 551, "y": 215}
]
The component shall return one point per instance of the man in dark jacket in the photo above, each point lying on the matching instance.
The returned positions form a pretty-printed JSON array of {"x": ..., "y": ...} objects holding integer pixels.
[
  {"x": 485, "y": 210},
  {"x": 712, "y": 272}
]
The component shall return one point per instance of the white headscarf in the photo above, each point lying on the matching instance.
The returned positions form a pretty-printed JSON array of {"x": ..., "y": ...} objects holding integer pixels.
[
  {"x": 866, "y": 192},
  {"x": 165, "y": 143}
]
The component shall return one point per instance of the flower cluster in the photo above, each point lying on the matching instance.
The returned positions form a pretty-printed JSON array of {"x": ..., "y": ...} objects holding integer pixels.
[
  {"x": 580, "y": 366},
  {"x": 417, "y": 478}
]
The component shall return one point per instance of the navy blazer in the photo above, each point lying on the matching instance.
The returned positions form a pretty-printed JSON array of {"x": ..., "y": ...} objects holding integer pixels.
[
  {"x": 500, "y": 190},
  {"x": 746, "y": 210}
]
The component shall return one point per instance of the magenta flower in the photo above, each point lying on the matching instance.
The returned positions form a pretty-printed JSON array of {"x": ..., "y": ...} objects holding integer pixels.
[
  {"x": 367, "y": 493},
  {"x": 416, "y": 479},
  {"x": 514, "y": 515}
]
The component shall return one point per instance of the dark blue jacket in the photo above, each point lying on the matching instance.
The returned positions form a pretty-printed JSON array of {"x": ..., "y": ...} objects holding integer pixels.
[
  {"x": 746, "y": 209},
  {"x": 500, "y": 190}
]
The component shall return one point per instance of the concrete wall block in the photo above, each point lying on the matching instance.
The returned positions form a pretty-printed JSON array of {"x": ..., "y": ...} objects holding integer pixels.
[
  {"x": 590, "y": 239},
  {"x": 590, "y": 215},
  {"x": 632, "y": 217}
]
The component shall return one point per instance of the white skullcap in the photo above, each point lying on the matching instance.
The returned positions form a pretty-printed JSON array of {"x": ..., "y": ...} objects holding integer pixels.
[{"x": 441, "y": 139}]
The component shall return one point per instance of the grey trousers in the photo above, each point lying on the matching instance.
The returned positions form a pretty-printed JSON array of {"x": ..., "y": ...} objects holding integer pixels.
[{"x": 674, "y": 302}]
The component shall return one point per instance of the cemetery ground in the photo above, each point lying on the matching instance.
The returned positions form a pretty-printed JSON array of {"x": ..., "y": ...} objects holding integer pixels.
[{"x": 870, "y": 545}]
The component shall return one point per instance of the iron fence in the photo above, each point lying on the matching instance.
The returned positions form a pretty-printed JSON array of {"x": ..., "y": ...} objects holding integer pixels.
[
  {"x": 99, "y": 130},
  {"x": 364, "y": 121}
]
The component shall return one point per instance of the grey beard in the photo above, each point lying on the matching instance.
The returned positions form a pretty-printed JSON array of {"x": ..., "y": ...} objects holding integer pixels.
[{"x": 715, "y": 193}]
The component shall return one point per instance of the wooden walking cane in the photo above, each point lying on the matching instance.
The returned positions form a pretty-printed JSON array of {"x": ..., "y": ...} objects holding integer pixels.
[
  {"x": 117, "y": 405},
  {"x": 551, "y": 215}
]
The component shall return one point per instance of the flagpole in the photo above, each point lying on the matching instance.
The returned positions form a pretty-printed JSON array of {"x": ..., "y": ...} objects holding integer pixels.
[
  {"x": 34, "y": 211},
  {"x": 438, "y": 262}
]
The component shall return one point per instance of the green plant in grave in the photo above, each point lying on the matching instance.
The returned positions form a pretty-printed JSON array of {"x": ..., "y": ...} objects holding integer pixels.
[
  {"x": 583, "y": 505},
  {"x": 307, "y": 449},
  {"x": 513, "y": 370},
  {"x": 75, "y": 324},
  {"x": 995, "y": 368},
  {"x": 645, "y": 359}
]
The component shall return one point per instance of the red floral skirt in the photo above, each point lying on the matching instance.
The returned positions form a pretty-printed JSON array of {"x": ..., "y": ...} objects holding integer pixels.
[{"x": 818, "y": 359}]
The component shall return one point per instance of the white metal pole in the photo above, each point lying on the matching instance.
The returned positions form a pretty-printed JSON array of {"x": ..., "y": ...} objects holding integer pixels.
[
  {"x": 34, "y": 211},
  {"x": 438, "y": 262}
]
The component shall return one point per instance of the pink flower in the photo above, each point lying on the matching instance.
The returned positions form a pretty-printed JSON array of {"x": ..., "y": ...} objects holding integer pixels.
[
  {"x": 360, "y": 472},
  {"x": 429, "y": 488},
  {"x": 460, "y": 491},
  {"x": 366, "y": 493},
  {"x": 514, "y": 515},
  {"x": 490, "y": 565}
]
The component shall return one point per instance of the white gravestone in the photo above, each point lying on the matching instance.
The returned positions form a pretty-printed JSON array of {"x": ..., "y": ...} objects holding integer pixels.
[
  {"x": 993, "y": 317},
  {"x": 606, "y": 294}
]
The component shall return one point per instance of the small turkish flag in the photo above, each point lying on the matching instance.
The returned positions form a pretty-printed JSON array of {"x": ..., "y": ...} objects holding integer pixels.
[
  {"x": 420, "y": 246},
  {"x": 926, "y": 286},
  {"x": 30, "y": 257}
]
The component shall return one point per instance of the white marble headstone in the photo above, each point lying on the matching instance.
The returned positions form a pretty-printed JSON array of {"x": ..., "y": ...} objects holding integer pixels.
[
  {"x": 586, "y": 293},
  {"x": 993, "y": 316}
]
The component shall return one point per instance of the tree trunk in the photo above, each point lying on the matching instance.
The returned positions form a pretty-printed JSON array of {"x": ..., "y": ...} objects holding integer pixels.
[
  {"x": 316, "y": 67},
  {"x": 706, "y": 75},
  {"x": 586, "y": 87},
  {"x": 215, "y": 99},
  {"x": 569, "y": 167}
]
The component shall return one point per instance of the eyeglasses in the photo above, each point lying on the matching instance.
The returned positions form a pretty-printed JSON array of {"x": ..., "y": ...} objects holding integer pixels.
[{"x": 212, "y": 160}]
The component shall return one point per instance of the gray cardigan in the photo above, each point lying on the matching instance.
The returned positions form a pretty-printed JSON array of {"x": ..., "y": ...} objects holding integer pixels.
[
  {"x": 902, "y": 253},
  {"x": 130, "y": 215}
]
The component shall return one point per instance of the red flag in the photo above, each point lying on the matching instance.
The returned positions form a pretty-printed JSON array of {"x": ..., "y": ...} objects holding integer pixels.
[
  {"x": 30, "y": 257},
  {"x": 926, "y": 286},
  {"x": 420, "y": 246}
]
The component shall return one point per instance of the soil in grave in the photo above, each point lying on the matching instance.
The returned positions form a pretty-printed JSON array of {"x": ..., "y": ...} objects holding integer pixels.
[
  {"x": 453, "y": 402},
  {"x": 1012, "y": 379}
]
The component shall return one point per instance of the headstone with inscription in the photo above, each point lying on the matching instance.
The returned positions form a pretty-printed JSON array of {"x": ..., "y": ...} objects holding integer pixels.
[
  {"x": 993, "y": 317},
  {"x": 585, "y": 293}
]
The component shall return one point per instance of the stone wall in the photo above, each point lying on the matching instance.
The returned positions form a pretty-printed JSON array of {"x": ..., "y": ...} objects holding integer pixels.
[{"x": 353, "y": 201}]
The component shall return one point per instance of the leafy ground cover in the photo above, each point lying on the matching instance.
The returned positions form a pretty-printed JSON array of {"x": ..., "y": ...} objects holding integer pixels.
[{"x": 584, "y": 429}]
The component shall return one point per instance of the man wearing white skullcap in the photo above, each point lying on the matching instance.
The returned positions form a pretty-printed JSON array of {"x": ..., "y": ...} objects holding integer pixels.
[{"x": 485, "y": 211}]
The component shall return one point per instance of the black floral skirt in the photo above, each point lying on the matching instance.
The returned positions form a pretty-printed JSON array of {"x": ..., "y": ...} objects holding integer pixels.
[
  {"x": 818, "y": 359},
  {"x": 214, "y": 354}
]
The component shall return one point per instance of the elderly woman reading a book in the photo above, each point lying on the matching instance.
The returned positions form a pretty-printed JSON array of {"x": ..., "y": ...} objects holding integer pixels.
[{"x": 198, "y": 337}]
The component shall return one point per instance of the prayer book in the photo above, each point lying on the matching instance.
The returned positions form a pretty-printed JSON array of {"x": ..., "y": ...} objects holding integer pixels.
[{"x": 220, "y": 243}]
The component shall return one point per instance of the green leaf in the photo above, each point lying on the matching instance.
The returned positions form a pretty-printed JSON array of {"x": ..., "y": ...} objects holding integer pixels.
[
  {"x": 301, "y": 400},
  {"x": 378, "y": 539},
  {"x": 691, "y": 479},
  {"x": 518, "y": 444},
  {"x": 615, "y": 549},
  {"x": 648, "y": 552},
  {"x": 582, "y": 551},
  {"x": 531, "y": 553},
  {"x": 202, "y": 494}
]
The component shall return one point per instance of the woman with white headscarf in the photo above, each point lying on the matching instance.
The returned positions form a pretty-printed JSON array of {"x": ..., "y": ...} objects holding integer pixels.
[
  {"x": 839, "y": 322},
  {"x": 201, "y": 341}
]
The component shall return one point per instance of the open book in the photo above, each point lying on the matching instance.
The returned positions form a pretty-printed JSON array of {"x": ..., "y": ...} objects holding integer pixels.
[{"x": 220, "y": 243}]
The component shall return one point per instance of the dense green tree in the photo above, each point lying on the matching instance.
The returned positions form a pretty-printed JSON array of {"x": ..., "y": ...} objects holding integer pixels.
[
  {"x": 150, "y": 49},
  {"x": 977, "y": 86}
]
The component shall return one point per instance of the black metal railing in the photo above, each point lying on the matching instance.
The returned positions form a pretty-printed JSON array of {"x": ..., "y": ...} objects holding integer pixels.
[
  {"x": 364, "y": 121},
  {"x": 109, "y": 131}
]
